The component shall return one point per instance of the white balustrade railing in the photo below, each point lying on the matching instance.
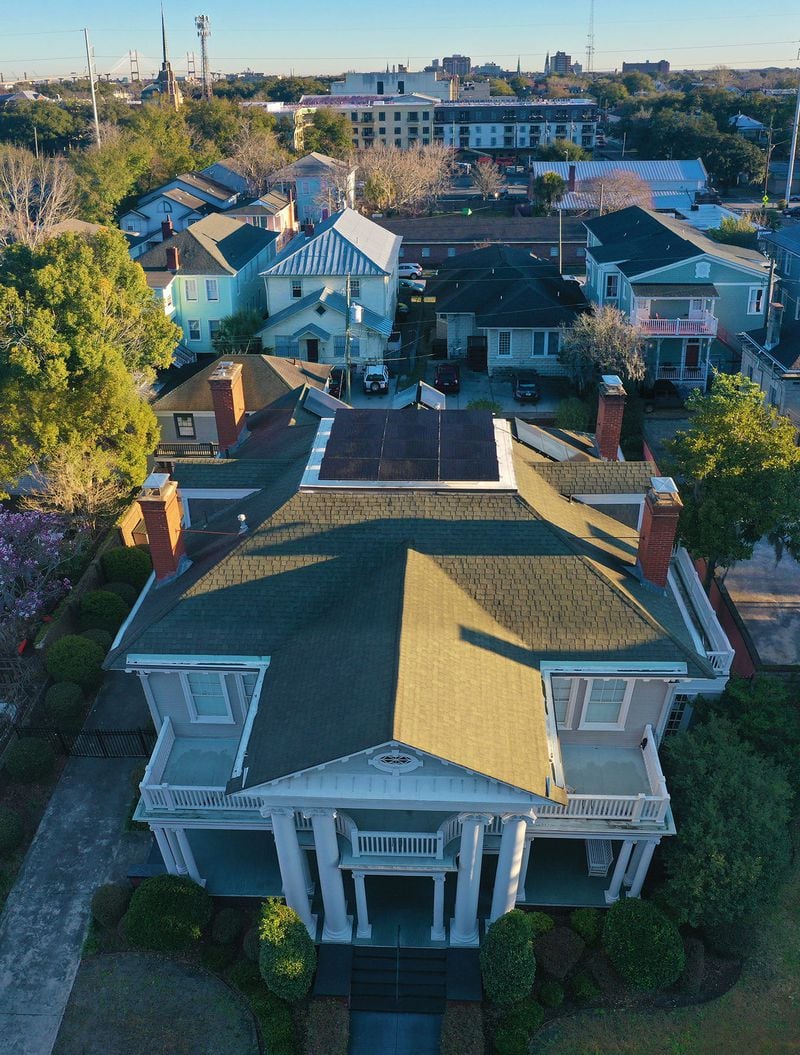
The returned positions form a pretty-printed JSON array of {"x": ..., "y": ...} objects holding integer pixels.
[
  {"x": 705, "y": 325},
  {"x": 719, "y": 653},
  {"x": 396, "y": 844}
]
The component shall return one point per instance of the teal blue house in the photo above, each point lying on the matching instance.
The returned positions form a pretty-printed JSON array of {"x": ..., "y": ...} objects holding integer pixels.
[{"x": 207, "y": 272}]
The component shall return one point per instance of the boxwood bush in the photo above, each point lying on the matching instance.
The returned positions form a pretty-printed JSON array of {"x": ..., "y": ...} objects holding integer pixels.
[
  {"x": 127, "y": 564},
  {"x": 559, "y": 951},
  {"x": 73, "y": 658},
  {"x": 517, "y": 1027},
  {"x": 588, "y": 922},
  {"x": 64, "y": 704},
  {"x": 462, "y": 1030},
  {"x": 540, "y": 923},
  {"x": 274, "y": 1017},
  {"x": 12, "y": 830},
  {"x": 29, "y": 760},
  {"x": 100, "y": 637},
  {"x": 508, "y": 964},
  {"x": 643, "y": 944},
  {"x": 124, "y": 591},
  {"x": 167, "y": 914},
  {"x": 227, "y": 925},
  {"x": 110, "y": 903},
  {"x": 327, "y": 1028},
  {"x": 551, "y": 993},
  {"x": 251, "y": 944},
  {"x": 584, "y": 988},
  {"x": 287, "y": 958},
  {"x": 101, "y": 610}
]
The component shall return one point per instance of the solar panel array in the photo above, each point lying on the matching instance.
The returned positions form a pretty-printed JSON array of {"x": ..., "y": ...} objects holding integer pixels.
[{"x": 406, "y": 446}]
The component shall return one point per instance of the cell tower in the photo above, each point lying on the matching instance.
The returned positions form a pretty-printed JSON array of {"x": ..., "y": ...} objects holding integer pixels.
[
  {"x": 204, "y": 32},
  {"x": 134, "y": 59},
  {"x": 590, "y": 40}
]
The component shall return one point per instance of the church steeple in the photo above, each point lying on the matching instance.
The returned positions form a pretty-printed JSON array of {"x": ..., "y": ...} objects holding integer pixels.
[
  {"x": 165, "y": 56},
  {"x": 166, "y": 82}
]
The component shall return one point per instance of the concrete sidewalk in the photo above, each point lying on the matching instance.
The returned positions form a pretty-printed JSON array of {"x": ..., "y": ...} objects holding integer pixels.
[{"x": 79, "y": 844}]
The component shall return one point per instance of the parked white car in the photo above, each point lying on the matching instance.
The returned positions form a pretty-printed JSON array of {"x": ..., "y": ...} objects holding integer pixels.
[
  {"x": 409, "y": 271},
  {"x": 376, "y": 379}
]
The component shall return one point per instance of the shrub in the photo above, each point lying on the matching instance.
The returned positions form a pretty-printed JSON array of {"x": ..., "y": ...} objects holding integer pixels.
[
  {"x": 12, "y": 830},
  {"x": 73, "y": 658},
  {"x": 573, "y": 413},
  {"x": 227, "y": 926},
  {"x": 126, "y": 593},
  {"x": 327, "y": 1028},
  {"x": 251, "y": 945},
  {"x": 517, "y": 1027},
  {"x": 64, "y": 704},
  {"x": 110, "y": 903},
  {"x": 127, "y": 564},
  {"x": 731, "y": 939},
  {"x": 559, "y": 951},
  {"x": 551, "y": 993},
  {"x": 217, "y": 957},
  {"x": 643, "y": 944},
  {"x": 587, "y": 922},
  {"x": 29, "y": 760},
  {"x": 691, "y": 980},
  {"x": 275, "y": 1022},
  {"x": 508, "y": 965},
  {"x": 100, "y": 637},
  {"x": 584, "y": 988},
  {"x": 540, "y": 923},
  {"x": 462, "y": 1030},
  {"x": 167, "y": 914},
  {"x": 101, "y": 610},
  {"x": 287, "y": 958}
]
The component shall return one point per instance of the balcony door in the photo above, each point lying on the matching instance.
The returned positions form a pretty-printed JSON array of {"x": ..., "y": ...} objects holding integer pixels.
[
  {"x": 697, "y": 308},
  {"x": 691, "y": 355}
]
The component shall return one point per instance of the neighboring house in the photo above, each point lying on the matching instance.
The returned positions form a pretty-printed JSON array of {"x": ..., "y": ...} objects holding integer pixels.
[
  {"x": 226, "y": 172},
  {"x": 430, "y": 240},
  {"x": 687, "y": 295},
  {"x": 749, "y": 128},
  {"x": 307, "y": 287},
  {"x": 159, "y": 213},
  {"x": 783, "y": 246},
  {"x": 672, "y": 184},
  {"x": 504, "y": 309},
  {"x": 319, "y": 186},
  {"x": 272, "y": 212},
  {"x": 208, "y": 272},
  {"x": 192, "y": 420},
  {"x": 407, "y": 711}
]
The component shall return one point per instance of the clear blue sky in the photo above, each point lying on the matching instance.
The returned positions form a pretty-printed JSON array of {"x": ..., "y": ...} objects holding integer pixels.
[{"x": 315, "y": 36}]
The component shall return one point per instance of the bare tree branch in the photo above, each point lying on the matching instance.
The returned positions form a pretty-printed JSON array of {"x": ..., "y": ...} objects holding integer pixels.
[{"x": 35, "y": 195}]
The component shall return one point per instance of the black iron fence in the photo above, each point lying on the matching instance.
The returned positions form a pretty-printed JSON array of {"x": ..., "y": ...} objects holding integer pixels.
[{"x": 94, "y": 743}]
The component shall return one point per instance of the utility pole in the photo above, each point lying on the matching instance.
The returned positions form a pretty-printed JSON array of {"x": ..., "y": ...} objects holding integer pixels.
[
  {"x": 92, "y": 75},
  {"x": 590, "y": 39},
  {"x": 560, "y": 243},
  {"x": 202, "y": 22},
  {"x": 347, "y": 338},
  {"x": 769, "y": 155},
  {"x": 793, "y": 151}
]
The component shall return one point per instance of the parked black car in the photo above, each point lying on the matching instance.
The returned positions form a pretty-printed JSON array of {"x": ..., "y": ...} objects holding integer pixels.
[
  {"x": 525, "y": 386},
  {"x": 447, "y": 377}
]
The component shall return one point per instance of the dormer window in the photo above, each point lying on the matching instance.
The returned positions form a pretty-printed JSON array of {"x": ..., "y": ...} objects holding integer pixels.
[{"x": 395, "y": 762}]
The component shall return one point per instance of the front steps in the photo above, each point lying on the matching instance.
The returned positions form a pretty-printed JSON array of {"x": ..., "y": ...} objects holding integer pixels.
[{"x": 399, "y": 979}]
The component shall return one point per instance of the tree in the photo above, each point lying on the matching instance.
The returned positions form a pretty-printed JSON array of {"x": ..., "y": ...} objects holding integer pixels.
[
  {"x": 215, "y": 121},
  {"x": 107, "y": 174},
  {"x": 35, "y": 194},
  {"x": 738, "y": 230},
  {"x": 403, "y": 180},
  {"x": 236, "y": 334},
  {"x": 497, "y": 86},
  {"x": 328, "y": 132},
  {"x": 729, "y": 157},
  {"x": 616, "y": 191},
  {"x": 80, "y": 481},
  {"x": 287, "y": 958},
  {"x": 561, "y": 150},
  {"x": 257, "y": 155},
  {"x": 508, "y": 964},
  {"x": 635, "y": 83},
  {"x": 732, "y": 812},
  {"x": 607, "y": 92},
  {"x": 739, "y": 470},
  {"x": 548, "y": 189},
  {"x": 164, "y": 135},
  {"x": 56, "y": 127},
  {"x": 488, "y": 178},
  {"x": 602, "y": 342}
]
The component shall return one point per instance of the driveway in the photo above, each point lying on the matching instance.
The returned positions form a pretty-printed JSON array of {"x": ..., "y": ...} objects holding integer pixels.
[
  {"x": 79, "y": 844},
  {"x": 767, "y": 597}
]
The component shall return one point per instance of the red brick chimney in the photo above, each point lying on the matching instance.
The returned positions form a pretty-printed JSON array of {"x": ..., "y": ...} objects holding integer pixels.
[
  {"x": 227, "y": 392},
  {"x": 662, "y": 507},
  {"x": 162, "y": 512},
  {"x": 167, "y": 229},
  {"x": 571, "y": 178},
  {"x": 173, "y": 258},
  {"x": 610, "y": 408}
]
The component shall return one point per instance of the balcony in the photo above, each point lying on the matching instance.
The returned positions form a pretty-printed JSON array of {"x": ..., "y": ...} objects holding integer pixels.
[
  {"x": 704, "y": 324},
  {"x": 683, "y": 375},
  {"x": 692, "y": 597}
]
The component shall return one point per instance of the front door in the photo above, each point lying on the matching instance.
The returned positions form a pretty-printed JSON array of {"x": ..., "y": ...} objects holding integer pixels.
[
  {"x": 312, "y": 350},
  {"x": 692, "y": 355}
]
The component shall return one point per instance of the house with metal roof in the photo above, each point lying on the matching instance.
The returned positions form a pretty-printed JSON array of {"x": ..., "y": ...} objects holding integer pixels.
[
  {"x": 687, "y": 295},
  {"x": 406, "y": 676},
  {"x": 207, "y": 272},
  {"x": 332, "y": 294},
  {"x": 672, "y": 184}
]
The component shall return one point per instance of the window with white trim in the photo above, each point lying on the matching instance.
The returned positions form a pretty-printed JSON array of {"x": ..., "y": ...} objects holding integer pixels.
[
  {"x": 612, "y": 286},
  {"x": 207, "y": 696},
  {"x": 190, "y": 288},
  {"x": 561, "y": 690},
  {"x": 297, "y": 289},
  {"x": 193, "y": 327},
  {"x": 184, "y": 426},
  {"x": 212, "y": 289},
  {"x": 504, "y": 342},
  {"x": 355, "y": 287},
  {"x": 678, "y": 713},
  {"x": 755, "y": 300},
  {"x": 606, "y": 703}
]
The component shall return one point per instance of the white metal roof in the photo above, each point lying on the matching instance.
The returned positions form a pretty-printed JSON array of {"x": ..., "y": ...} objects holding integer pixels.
[
  {"x": 650, "y": 171},
  {"x": 346, "y": 244}
]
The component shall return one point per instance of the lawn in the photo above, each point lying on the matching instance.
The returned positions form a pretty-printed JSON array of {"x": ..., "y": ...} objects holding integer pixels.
[
  {"x": 129, "y": 1003},
  {"x": 759, "y": 1016}
]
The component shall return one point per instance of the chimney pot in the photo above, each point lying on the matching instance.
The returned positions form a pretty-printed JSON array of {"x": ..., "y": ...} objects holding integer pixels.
[
  {"x": 610, "y": 410},
  {"x": 162, "y": 513},
  {"x": 173, "y": 258},
  {"x": 227, "y": 394},
  {"x": 662, "y": 508}
]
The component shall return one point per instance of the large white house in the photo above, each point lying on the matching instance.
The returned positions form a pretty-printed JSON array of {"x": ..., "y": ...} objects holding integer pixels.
[{"x": 417, "y": 669}]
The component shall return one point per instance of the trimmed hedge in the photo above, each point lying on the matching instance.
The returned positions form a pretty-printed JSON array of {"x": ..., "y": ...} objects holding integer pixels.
[
  {"x": 513, "y": 1034},
  {"x": 100, "y": 637},
  {"x": 559, "y": 951},
  {"x": 643, "y": 944},
  {"x": 274, "y": 1017},
  {"x": 126, "y": 593},
  {"x": 508, "y": 964},
  {"x": 110, "y": 903},
  {"x": 540, "y": 923},
  {"x": 251, "y": 944},
  {"x": 12, "y": 830},
  {"x": 691, "y": 979},
  {"x": 287, "y": 958},
  {"x": 217, "y": 957},
  {"x": 64, "y": 704},
  {"x": 127, "y": 564},
  {"x": 327, "y": 1028},
  {"x": 462, "y": 1030},
  {"x": 731, "y": 939},
  {"x": 588, "y": 922},
  {"x": 167, "y": 914},
  {"x": 29, "y": 760},
  {"x": 227, "y": 926},
  {"x": 101, "y": 610},
  {"x": 73, "y": 658},
  {"x": 584, "y": 988},
  {"x": 551, "y": 993}
]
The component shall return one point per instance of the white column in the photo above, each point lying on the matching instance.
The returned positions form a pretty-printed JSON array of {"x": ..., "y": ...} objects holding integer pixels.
[
  {"x": 291, "y": 866},
  {"x": 364, "y": 929},
  {"x": 176, "y": 851},
  {"x": 338, "y": 925},
  {"x": 165, "y": 851},
  {"x": 509, "y": 865},
  {"x": 188, "y": 856},
  {"x": 437, "y": 930},
  {"x": 523, "y": 872},
  {"x": 612, "y": 894},
  {"x": 464, "y": 925},
  {"x": 641, "y": 871},
  {"x": 306, "y": 871},
  {"x": 144, "y": 680},
  {"x": 633, "y": 864}
]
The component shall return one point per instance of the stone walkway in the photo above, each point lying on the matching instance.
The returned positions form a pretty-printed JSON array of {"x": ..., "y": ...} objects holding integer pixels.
[
  {"x": 384, "y": 1033},
  {"x": 79, "y": 844}
]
